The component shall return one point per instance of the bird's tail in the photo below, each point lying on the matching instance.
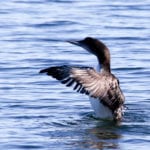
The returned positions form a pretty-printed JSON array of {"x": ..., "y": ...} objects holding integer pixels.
[{"x": 118, "y": 113}]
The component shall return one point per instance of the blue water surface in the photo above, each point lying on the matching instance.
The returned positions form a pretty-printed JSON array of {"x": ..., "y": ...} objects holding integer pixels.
[{"x": 36, "y": 111}]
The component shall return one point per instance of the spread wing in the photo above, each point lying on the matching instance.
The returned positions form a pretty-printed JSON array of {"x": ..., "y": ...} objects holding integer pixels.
[{"x": 87, "y": 80}]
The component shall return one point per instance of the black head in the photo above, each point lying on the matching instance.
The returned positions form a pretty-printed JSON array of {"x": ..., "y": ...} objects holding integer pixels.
[
  {"x": 92, "y": 45},
  {"x": 95, "y": 47}
]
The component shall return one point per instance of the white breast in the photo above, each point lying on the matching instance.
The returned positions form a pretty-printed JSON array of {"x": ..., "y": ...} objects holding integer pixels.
[{"x": 100, "y": 110}]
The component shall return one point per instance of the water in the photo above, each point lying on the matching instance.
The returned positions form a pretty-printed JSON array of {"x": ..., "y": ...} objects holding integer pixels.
[{"x": 36, "y": 112}]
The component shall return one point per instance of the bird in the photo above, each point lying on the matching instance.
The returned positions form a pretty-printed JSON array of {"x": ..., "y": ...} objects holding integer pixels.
[{"x": 102, "y": 87}]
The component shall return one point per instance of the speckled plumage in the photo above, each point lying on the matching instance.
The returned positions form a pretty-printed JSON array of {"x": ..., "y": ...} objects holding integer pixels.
[{"x": 103, "y": 87}]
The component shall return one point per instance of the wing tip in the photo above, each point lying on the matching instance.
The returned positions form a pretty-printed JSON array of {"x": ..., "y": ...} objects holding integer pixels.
[{"x": 42, "y": 71}]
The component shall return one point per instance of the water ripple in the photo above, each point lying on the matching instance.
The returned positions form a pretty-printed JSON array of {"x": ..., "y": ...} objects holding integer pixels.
[{"x": 37, "y": 112}]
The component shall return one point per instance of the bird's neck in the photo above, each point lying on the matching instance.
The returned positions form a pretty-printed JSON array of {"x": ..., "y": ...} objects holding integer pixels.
[{"x": 104, "y": 66}]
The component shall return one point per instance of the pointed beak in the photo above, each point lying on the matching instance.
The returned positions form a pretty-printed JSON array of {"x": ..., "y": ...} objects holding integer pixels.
[{"x": 78, "y": 43}]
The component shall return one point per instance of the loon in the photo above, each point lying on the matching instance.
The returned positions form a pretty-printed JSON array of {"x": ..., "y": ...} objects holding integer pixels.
[{"x": 105, "y": 94}]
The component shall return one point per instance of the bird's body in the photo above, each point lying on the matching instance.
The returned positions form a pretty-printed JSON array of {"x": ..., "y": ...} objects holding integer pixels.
[
  {"x": 101, "y": 111},
  {"x": 102, "y": 86}
]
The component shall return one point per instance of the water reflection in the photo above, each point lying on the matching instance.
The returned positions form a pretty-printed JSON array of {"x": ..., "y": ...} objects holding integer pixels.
[{"x": 103, "y": 135}]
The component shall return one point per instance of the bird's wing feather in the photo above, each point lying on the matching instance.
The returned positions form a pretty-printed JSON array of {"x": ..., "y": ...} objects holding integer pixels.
[{"x": 87, "y": 80}]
